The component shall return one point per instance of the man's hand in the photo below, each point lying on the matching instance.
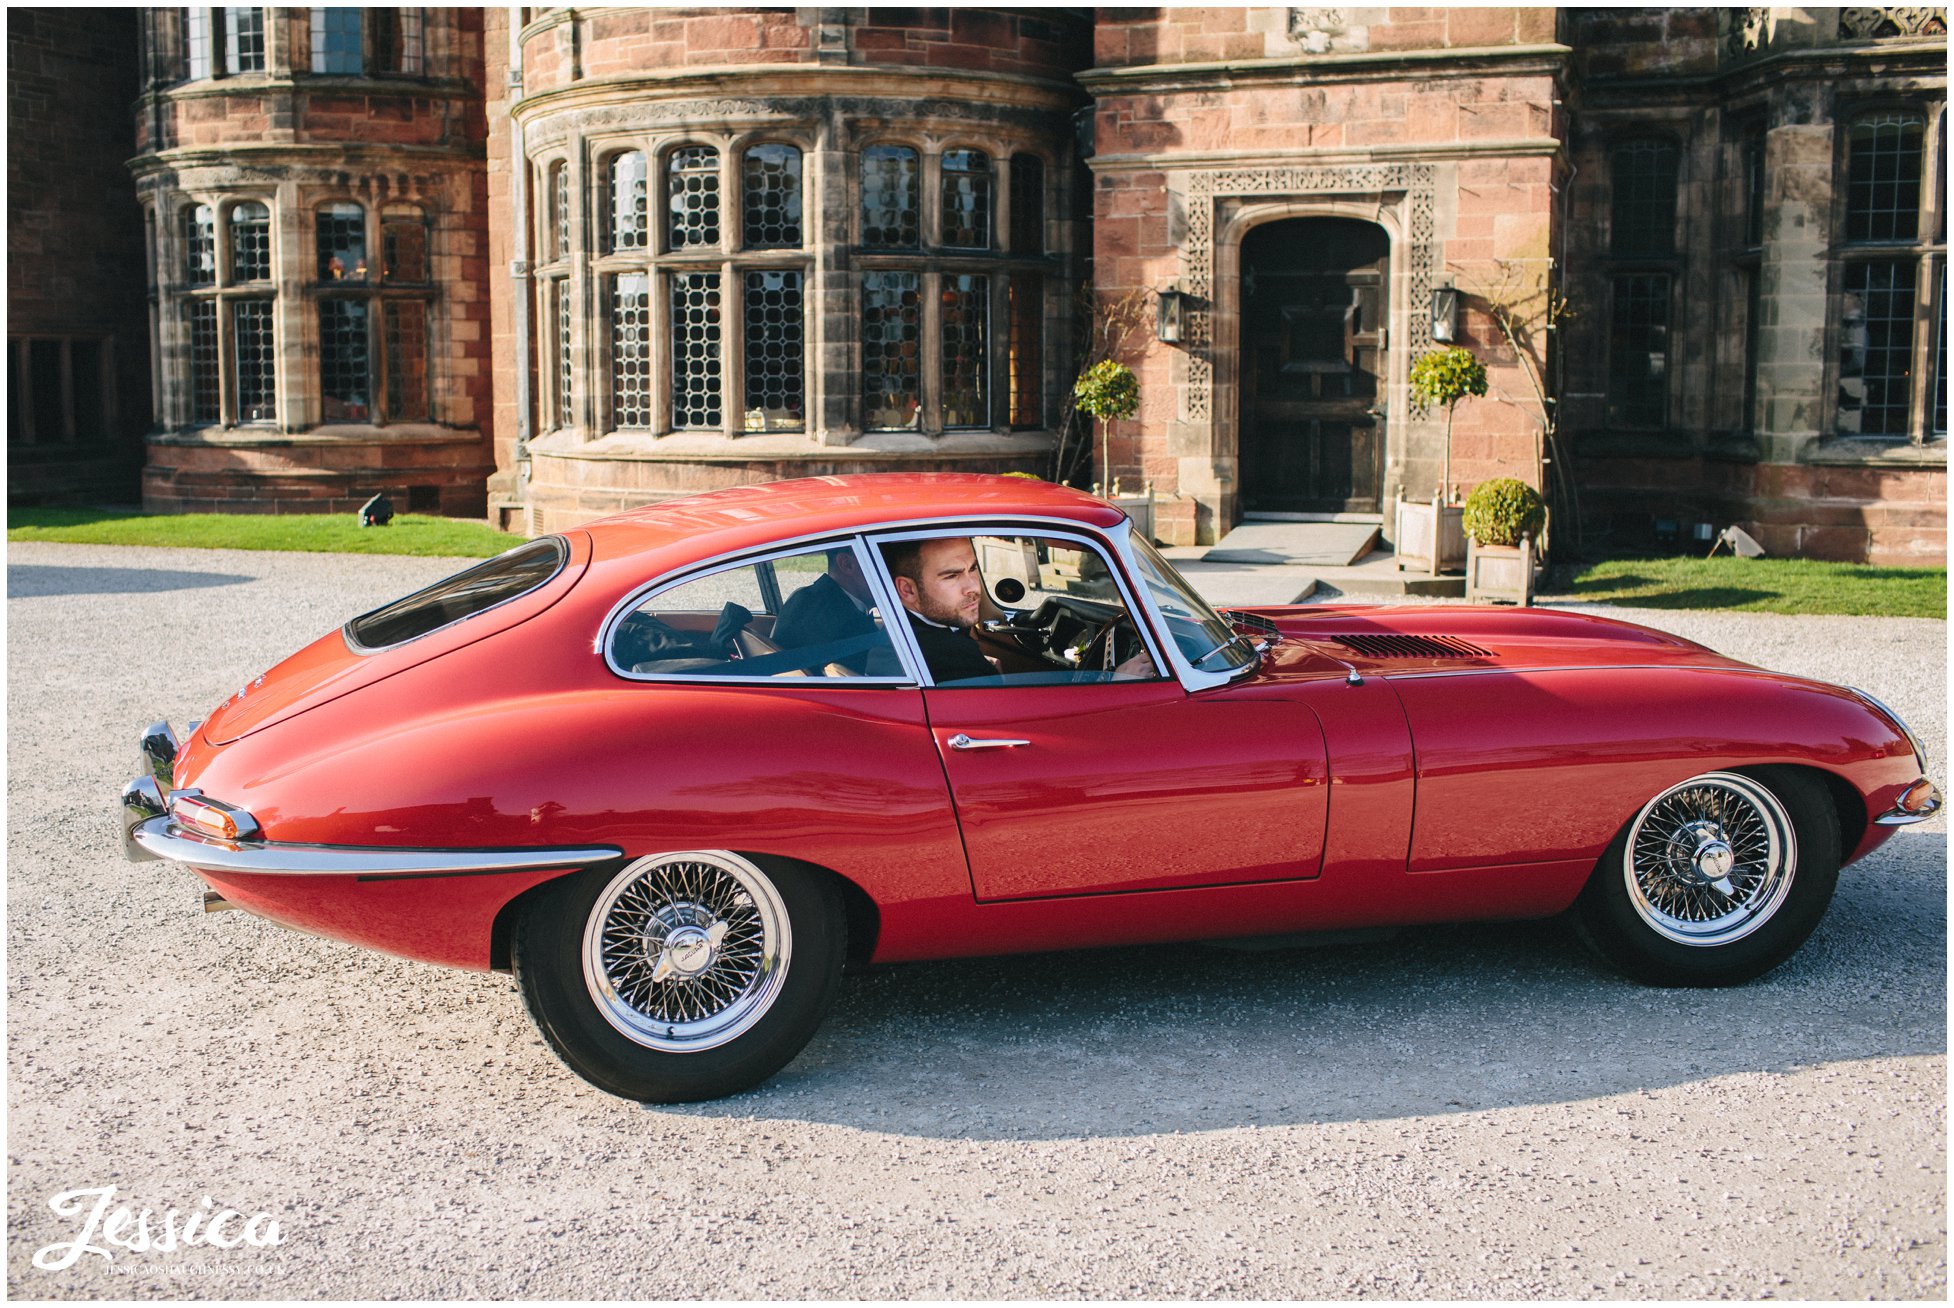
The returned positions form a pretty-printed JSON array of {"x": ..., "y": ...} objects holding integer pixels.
[{"x": 1138, "y": 668}]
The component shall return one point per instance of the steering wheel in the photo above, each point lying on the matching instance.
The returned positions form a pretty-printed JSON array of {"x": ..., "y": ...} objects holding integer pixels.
[{"x": 1113, "y": 644}]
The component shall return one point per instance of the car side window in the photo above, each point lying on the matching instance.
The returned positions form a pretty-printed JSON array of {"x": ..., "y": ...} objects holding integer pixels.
[
  {"x": 807, "y": 614},
  {"x": 1048, "y": 611}
]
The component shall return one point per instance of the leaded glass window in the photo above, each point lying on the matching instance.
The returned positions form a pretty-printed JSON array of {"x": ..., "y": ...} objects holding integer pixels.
[
  {"x": 966, "y": 200},
  {"x": 345, "y": 363},
  {"x": 397, "y": 40},
  {"x": 250, "y": 242},
  {"x": 770, "y": 197},
  {"x": 1638, "y": 352},
  {"x": 254, "y": 358},
  {"x": 625, "y": 186},
  {"x": 200, "y": 318},
  {"x": 403, "y": 247},
  {"x": 244, "y": 40},
  {"x": 406, "y": 339},
  {"x": 775, "y": 367},
  {"x": 630, "y": 351},
  {"x": 1643, "y": 174},
  {"x": 692, "y": 197},
  {"x": 1027, "y": 348},
  {"x": 565, "y": 372},
  {"x": 1027, "y": 204},
  {"x": 559, "y": 243},
  {"x": 337, "y": 41},
  {"x": 966, "y": 362},
  {"x": 892, "y": 348},
  {"x": 1876, "y": 349},
  {"x": 1883, "y": 177},
  {"x": 342, "y": 243},
  {"x": 196, "y": 43},
  {"x": 200, "y": 245},
  {"x": 889, "y": 198},
  {"x": 695, "y": 350}
]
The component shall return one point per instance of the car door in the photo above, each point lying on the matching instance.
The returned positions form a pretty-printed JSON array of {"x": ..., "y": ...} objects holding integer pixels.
[{"x": 1076, "y": 787}]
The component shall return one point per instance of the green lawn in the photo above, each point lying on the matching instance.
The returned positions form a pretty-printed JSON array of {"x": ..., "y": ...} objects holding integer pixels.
[
  {"x": 1765, "y": 586},
  {"x": 336, "y": 533}
]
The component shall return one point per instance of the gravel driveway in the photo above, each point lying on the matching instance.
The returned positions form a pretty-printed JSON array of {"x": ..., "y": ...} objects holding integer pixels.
[{"x": 1462, "y": 1112}]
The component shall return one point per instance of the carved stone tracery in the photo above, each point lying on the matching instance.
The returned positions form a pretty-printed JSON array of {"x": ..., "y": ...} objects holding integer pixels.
[{"x": 1886, "y": 22}]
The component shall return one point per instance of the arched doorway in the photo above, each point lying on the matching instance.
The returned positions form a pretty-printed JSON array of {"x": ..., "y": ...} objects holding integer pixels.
[{"x": 1315, "y": 303}]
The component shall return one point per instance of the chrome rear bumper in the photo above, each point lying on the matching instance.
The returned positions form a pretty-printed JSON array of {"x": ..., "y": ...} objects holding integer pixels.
[{"x": 149, "y": 832}]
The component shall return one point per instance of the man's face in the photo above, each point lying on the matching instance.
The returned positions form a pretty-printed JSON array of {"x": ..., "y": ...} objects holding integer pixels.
[{"x": 951, "y": 584}]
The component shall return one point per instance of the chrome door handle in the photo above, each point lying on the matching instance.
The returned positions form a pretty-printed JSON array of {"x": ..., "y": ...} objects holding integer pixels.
[{"x": 961, "y": 741}]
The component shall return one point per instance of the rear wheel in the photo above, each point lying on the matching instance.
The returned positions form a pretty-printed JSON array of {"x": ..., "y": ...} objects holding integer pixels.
[
  {"x": 683, "y": 976},
  {"x": 1717, "y": 880}
]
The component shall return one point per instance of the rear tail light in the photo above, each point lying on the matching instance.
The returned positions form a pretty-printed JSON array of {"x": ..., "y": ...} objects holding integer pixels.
[{"x": 211, "y": 817}]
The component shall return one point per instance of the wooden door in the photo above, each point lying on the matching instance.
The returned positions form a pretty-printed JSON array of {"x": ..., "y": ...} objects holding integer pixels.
[{"x": 1315, "y": 301}]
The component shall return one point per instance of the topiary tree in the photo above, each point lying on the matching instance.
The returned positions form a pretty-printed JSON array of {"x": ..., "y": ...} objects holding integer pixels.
[
  {"x": 1501, "y": 511},
  {"x": 1445, "y": 377},
  {"x": 1107, "y": 390}
]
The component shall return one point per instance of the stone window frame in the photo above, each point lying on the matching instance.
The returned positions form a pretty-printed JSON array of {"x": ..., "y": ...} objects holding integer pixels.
[
  {"x": 730, "y": 258},
  {"x": 933, "y": 261},
  {"x": 558, "y": 239},
  {"x": 1619, "y": 268},
  {"x": 173, "y": 288},
  {"x": 377, "y": 291},
  {"x": 1927, "y": 251}
]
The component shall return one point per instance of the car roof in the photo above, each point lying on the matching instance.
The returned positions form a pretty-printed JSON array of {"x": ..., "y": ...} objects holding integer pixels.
[{"x": 681, "y": 531}]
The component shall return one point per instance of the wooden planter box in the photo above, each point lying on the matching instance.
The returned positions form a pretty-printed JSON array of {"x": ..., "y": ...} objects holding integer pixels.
[
  {"x": 1500, "y": 573},
  {"x": 1431, "y": 537}
]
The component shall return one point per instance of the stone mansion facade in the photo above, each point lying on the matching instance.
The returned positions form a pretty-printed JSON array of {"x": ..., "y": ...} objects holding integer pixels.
[{"x": 546, "y": 263}]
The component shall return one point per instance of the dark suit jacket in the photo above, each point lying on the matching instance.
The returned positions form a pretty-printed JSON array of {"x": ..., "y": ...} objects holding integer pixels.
[
  {"x": 819, "y": 613},
  {"x": 951, "y": 652}
]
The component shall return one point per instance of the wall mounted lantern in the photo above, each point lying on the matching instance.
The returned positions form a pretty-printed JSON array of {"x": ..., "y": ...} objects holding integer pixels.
[
  {"x": 1445, "y": 314},
  {"x": 1171, "y": 325}
]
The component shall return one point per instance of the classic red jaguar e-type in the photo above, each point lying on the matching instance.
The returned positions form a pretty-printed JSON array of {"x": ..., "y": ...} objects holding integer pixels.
[{"x": 677, "y": 766}]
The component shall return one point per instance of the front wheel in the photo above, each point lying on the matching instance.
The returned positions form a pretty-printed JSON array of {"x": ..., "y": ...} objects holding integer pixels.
[
  {"x": 1717, "y": 880},
  {"x": 682, "y": 976}
]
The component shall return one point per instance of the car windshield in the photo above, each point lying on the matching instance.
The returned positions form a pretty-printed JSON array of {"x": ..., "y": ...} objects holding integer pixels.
[{"x": 1203, "y": 636}]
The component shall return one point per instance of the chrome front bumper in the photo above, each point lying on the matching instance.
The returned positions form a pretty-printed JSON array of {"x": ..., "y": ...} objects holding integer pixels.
[{"x": 149, "y": 832}]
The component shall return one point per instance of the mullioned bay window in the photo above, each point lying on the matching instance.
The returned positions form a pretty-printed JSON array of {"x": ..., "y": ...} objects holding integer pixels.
[
  {"x": 1643, "y": 184},
  {"x": 1892, "y": 330},
  {"x": 704, "y": 312},
  {"x": 374, "y": 303},
  {"x": 227, "y": 301},
  {"x": 952, "y": 292}
]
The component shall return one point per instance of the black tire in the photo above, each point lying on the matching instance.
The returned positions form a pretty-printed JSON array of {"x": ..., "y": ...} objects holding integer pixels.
[
  {"x": 681, "y": 976},
  {"x": 1730, "y": 873}
]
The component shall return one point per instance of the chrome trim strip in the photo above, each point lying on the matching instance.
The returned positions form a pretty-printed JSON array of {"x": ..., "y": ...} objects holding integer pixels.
[
  {"x": 158, "y": 837},
  {"x": 1919, "y": 749}
]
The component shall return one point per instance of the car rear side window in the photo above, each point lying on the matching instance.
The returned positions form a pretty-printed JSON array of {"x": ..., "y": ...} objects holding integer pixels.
[{"x": 475, "y": 590}]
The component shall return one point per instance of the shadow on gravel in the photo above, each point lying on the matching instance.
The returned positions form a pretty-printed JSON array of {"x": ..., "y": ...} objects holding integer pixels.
[
  {"x": 26, "y": 580},
  {"x": 1437, "y": 1020}
]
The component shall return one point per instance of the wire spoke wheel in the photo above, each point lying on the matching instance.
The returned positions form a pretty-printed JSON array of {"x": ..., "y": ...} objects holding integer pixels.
[
  {"x": 685, "y": 953},
  {"x": 1710, "y": 860}
]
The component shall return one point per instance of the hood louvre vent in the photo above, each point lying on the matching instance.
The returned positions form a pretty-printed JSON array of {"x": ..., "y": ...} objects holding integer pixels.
[{"x": 1413, "y": 647}]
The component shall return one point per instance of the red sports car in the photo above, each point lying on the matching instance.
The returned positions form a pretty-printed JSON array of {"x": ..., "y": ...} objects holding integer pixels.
[{"x": 675, "y": 768}]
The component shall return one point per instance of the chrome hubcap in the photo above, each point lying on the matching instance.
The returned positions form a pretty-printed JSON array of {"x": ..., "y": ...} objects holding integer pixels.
[
  {"x": 1709, "y": 861},
  {"x": 685, "y": 952}
]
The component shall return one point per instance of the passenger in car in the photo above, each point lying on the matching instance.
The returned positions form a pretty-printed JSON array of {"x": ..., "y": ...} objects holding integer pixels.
[{"x": 837, "y": 605}]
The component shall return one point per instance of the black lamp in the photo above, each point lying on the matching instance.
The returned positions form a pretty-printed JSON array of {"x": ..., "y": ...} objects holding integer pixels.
[
  {"x": 1445, "y": 314},
  {"x": 377, "y": 512},
  {"x": 1171, "y": 324}
]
